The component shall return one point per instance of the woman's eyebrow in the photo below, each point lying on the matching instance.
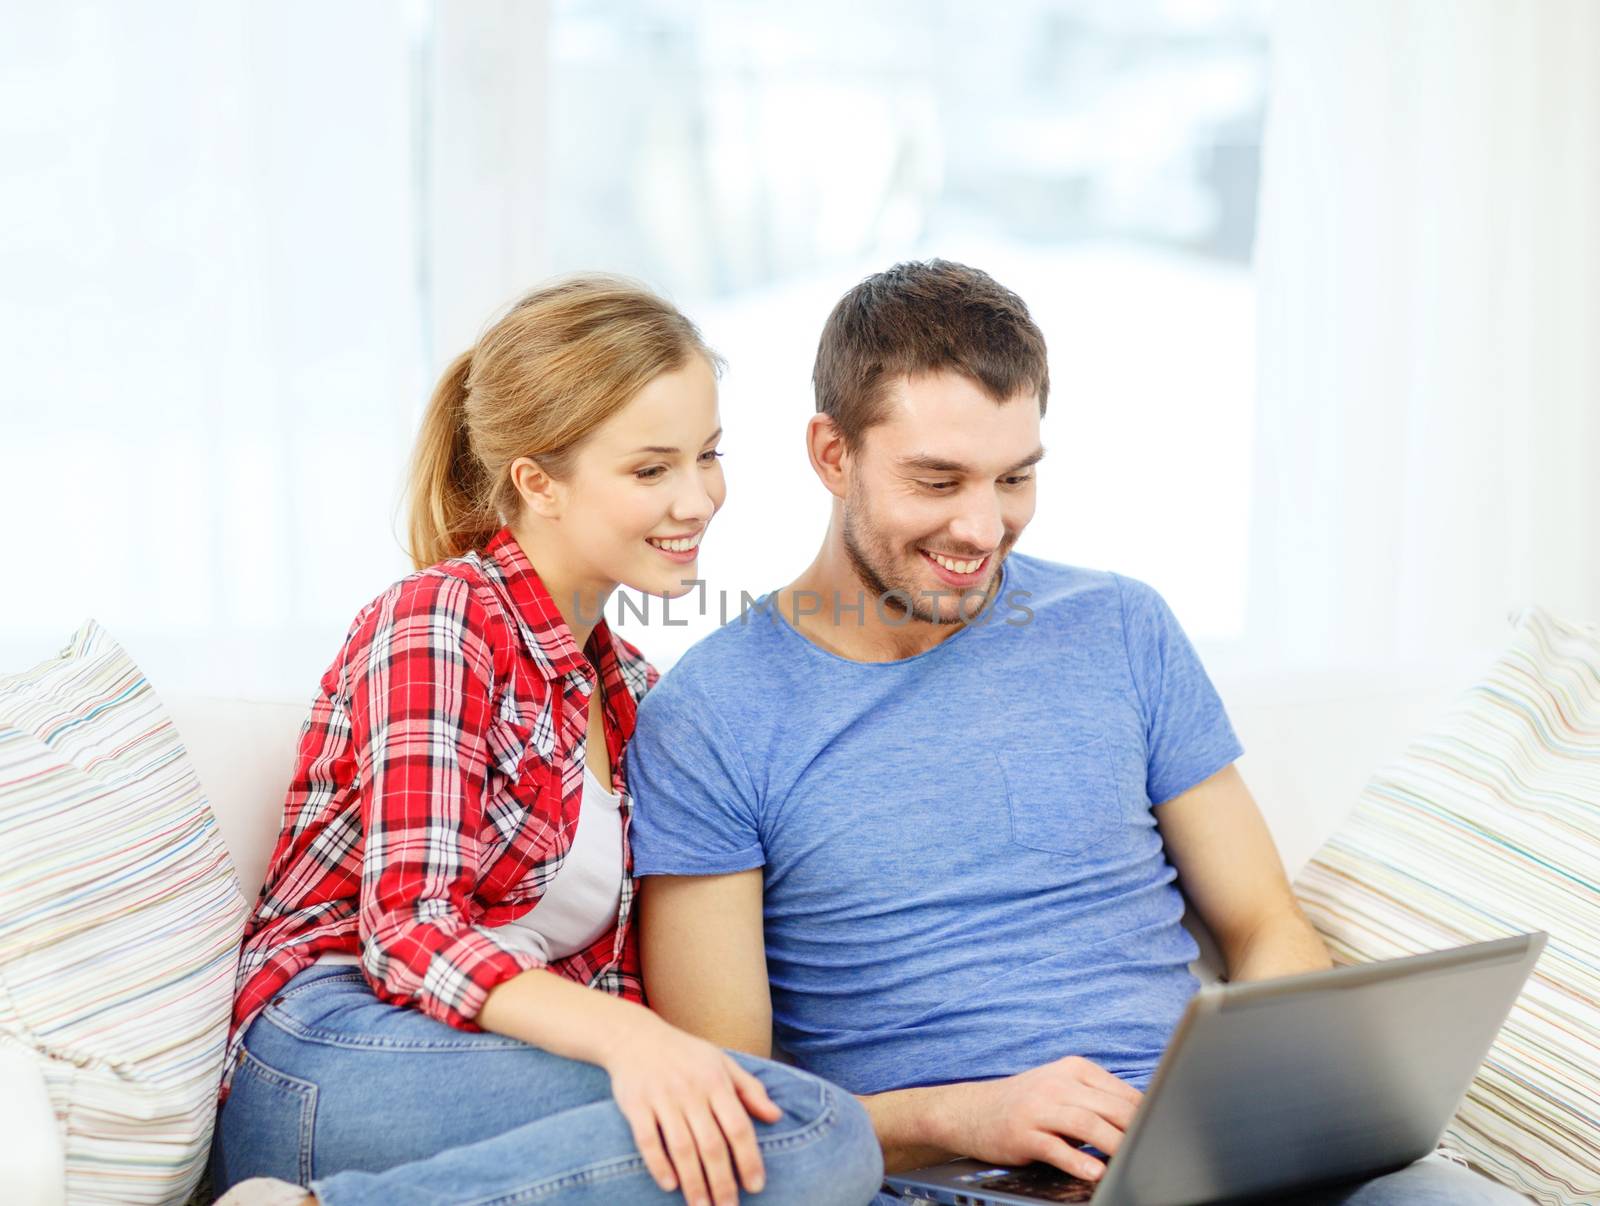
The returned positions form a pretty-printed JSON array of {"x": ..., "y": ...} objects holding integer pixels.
[{"x": 665, "y": 451}]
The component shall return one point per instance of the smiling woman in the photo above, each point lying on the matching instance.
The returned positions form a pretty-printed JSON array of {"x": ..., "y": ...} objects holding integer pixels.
[{"x": 453, "y": 876}]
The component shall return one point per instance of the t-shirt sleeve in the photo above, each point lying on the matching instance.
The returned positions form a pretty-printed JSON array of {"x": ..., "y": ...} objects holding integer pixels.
[
  {"x": 694, "y": 802},
  {"x": 1188, "y": 737}
]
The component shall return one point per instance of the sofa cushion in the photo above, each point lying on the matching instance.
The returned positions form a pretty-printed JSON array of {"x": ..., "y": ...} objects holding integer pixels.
[
  {"x": 120, "y": 917},
  {"x": 1489, "y": 826}
]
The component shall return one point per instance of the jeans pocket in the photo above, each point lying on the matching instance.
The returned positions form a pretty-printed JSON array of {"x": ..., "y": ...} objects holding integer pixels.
[
  {"x": 1064, "y": 801},
  {"x": 266, "y": 1126}
]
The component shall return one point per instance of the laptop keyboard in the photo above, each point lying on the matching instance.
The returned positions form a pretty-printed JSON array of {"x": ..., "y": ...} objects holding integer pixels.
[{"x": 1047, "y": 1184}]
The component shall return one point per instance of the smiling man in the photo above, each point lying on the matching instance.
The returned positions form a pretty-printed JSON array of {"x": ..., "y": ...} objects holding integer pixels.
[{"x": 925, "y": 816}]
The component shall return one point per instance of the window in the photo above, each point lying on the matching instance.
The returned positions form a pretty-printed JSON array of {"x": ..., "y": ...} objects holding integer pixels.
[
  {"x": 227, "y": 314},
  {"x": 754, "y": 161}
]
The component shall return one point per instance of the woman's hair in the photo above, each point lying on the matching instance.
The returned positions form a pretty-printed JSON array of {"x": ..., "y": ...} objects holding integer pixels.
[{"x": 560, "y": 363}]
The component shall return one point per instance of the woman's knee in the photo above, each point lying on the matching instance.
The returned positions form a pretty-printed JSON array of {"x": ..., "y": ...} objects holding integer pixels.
[
  {"x": 858, "y": 1157},
  {"x": 823, "y": 1150}
]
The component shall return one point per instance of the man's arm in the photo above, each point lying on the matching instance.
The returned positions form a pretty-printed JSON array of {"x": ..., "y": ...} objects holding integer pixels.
[
  {"x": 1229, "y": 869},
  {"x": 710, "y": 978},
  {"x": 703, "y": 948},
  {"x": 704, "y": 956}
]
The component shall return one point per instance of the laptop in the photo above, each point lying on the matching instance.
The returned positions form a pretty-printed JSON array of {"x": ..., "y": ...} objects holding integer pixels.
[{"x": 1286, "y": 1084}]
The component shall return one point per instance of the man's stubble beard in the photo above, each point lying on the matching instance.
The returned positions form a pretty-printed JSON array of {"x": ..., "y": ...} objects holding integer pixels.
[{"x": 861, "y": 535}]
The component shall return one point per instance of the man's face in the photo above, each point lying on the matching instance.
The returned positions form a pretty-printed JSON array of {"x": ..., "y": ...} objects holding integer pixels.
[{"x": 938, "y": 494}]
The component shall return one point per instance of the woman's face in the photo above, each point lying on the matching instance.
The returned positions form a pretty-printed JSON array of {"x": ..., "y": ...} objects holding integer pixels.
[{"x": 644, "y": 486}]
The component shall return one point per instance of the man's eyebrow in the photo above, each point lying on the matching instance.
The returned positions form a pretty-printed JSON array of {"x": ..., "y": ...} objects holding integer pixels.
[
  {"x": 934, "y": 464},
  {"x": 664, "y": 451}
]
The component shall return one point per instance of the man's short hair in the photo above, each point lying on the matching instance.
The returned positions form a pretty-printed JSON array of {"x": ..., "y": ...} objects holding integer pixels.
[{"x": 924, "y": 317}]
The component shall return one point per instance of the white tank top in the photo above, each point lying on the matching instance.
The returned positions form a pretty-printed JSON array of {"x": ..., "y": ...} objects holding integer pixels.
[{"x": 582, "y": 900}]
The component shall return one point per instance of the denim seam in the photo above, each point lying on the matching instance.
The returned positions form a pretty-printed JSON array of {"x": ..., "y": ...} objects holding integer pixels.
[
  {"x": 611, "y": 1169},
  {"x": 305, "y": 1090},
  {"x": 330, "y": 1038}
]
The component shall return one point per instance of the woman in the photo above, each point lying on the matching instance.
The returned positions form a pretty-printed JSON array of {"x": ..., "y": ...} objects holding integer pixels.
[{"x": 438, "y": 995}]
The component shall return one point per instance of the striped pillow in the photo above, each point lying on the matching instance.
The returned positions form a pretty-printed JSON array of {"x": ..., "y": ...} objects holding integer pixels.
[
  {"x": 1489, "y": 826},
  {"x": 120, "y": 917}
]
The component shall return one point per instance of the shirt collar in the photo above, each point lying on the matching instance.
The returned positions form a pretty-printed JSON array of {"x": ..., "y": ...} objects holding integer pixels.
[{"x": 546, "y": 634}]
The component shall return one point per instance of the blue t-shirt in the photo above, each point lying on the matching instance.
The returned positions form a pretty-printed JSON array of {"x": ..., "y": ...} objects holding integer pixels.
[{"x": 963, "y": 877}]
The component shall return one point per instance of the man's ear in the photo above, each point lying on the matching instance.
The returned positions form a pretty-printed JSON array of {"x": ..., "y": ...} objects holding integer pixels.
[
  {"x": 830, "y": 457},
  {"x": 540, "y": 492}
]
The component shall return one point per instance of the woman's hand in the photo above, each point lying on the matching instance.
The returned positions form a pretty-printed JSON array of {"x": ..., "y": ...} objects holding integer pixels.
[{"x": 689, "y": 1105}]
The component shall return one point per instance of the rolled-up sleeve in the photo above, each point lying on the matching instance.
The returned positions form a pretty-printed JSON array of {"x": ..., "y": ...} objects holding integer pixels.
[{"x": 421, "y": 705}]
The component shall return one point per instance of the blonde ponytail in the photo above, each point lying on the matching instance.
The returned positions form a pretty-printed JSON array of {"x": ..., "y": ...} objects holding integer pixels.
[
  {"x": 450, "y": 514},
  {"x": 561, "y": 362}
]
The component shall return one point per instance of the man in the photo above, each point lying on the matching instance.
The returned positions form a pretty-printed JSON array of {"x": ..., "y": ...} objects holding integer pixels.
[{"x": 942, "y": 797}]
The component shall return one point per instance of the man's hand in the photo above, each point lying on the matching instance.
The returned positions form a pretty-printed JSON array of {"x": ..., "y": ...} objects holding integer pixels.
[{"x": 1030, "y": 1116}]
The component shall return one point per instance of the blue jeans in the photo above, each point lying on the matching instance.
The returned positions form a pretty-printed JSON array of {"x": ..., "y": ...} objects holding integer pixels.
[
  {"x": 1431, "y": 1181},
  {"x": 372, "y": 1103}
]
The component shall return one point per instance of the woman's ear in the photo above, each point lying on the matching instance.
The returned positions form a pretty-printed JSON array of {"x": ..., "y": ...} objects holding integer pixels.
[{"x": 540, "y": 493}]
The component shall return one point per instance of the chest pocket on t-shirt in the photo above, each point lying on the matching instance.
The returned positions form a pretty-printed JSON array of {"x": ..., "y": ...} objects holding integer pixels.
[{"x": 1065, "y": 801}]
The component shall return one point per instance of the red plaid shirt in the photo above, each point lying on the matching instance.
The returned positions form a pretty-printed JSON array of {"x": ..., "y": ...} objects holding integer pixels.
[{"x": 436, "y": 792}]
